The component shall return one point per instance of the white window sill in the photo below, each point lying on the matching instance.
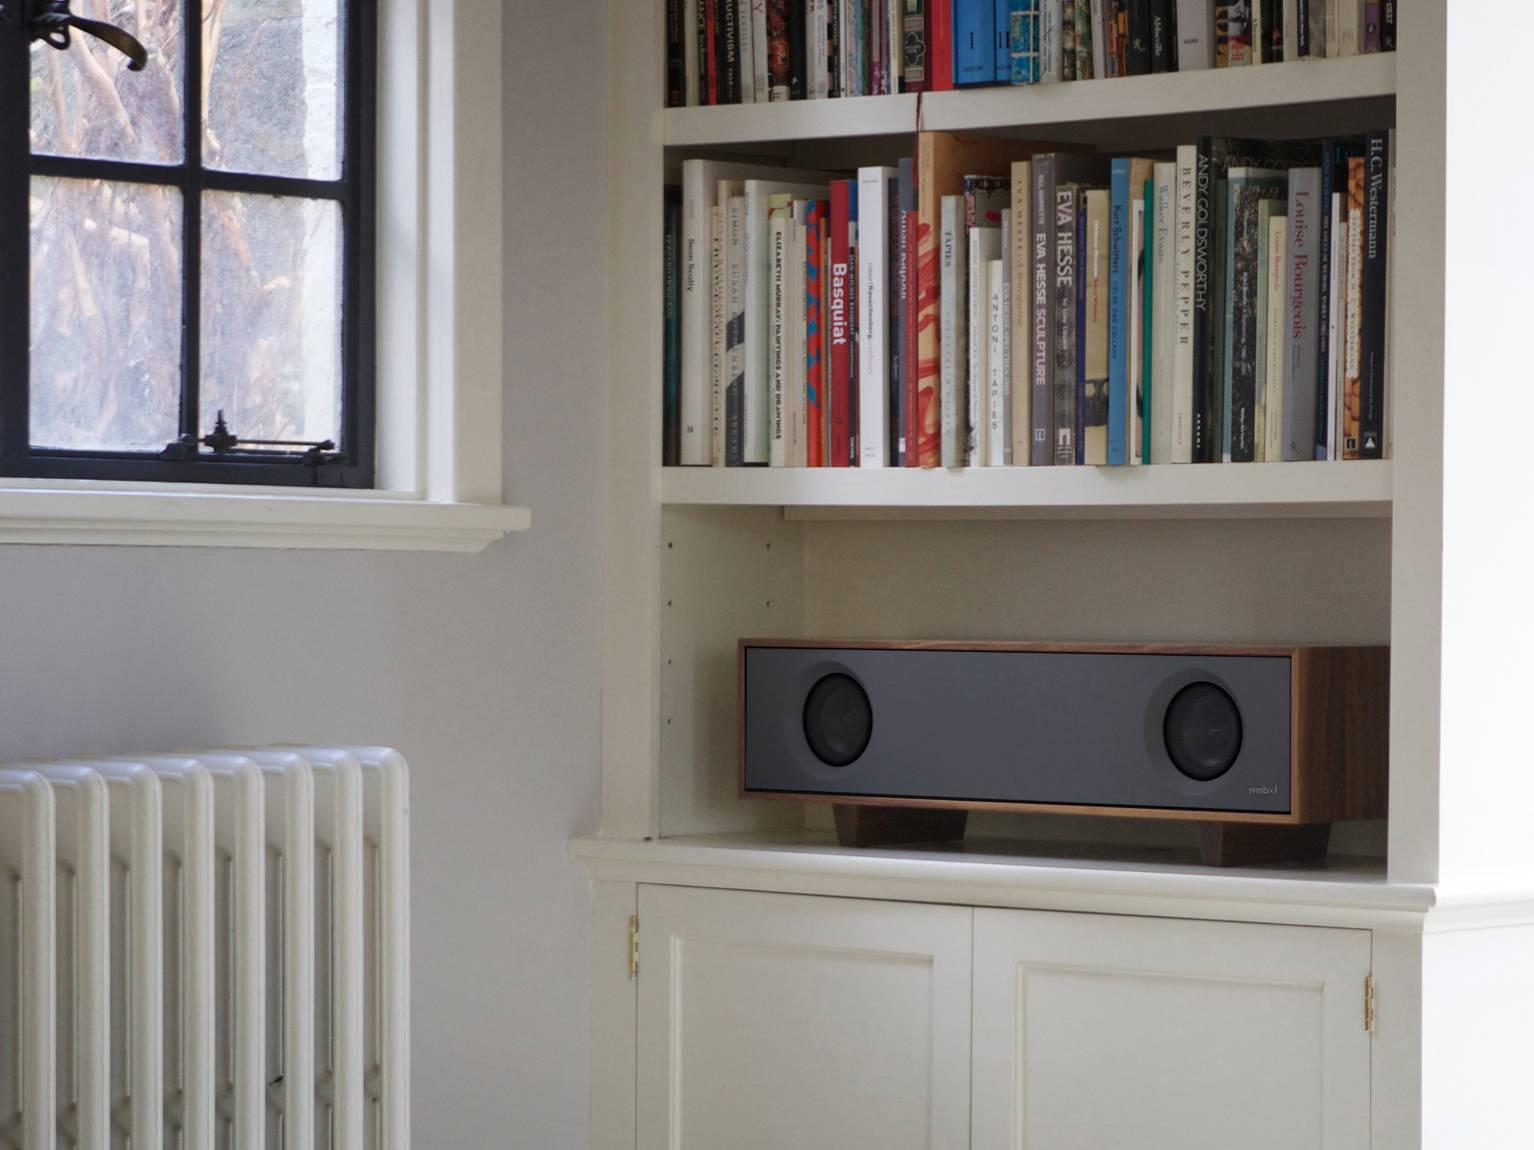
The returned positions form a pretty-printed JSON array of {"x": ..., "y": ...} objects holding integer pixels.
[{"x": 148, "y": 515}]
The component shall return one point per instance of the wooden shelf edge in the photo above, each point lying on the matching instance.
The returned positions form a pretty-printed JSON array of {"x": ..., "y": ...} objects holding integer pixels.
[{"x": 1292, "y": 84}]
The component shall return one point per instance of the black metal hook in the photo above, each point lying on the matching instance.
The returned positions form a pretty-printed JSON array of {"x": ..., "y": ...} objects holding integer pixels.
[{"x": 51, "y": 20}]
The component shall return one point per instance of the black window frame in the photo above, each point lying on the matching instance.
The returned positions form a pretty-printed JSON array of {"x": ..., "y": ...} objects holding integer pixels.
[{"x": 353, "y": 463}]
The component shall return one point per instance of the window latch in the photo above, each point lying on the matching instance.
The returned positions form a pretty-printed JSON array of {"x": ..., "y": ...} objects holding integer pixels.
[
  {"x": 223, "y": 442},
  {"x": 51, "y": 20}
]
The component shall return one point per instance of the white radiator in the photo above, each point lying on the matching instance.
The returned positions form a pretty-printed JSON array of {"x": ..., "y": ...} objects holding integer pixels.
[{"x": 206, "y": 950}]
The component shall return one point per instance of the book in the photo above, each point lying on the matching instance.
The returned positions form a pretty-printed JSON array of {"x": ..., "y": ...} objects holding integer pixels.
[
  {"x": 1082, "y": 26},
  {"x": 1147, "y": 323},
  {"x": 1024, "y": 33},
  {"x": 692, "y": 93},
  {"x": 954, "y": 352},
  {"x": 744, "y": 21},
  {"x": 1001, "y": 35},
  {"x": 1138, "y": 54},
  {"x": 1001, "y": 404},
  {"x": 1063, "y": 317},
  {"x": 1048, "y": 171},
  {"x": 1246, "y": 186},
  {"x": 1388, "y": 25},
  {"x": 1371, "y": 26},
  {"x": 1067, "y": 38},
  {"x": 798, "y": 50},
  {"x": 729, "y": 51},
  {"x": 1237, "y": 38},
  {"x": 1219, "y": 351},
  {"x": 718, "y": 359},
  {"x": 1185, "y": 242},
  {"x": 814, "y": 343},
  {"x": 997, "y": 437},
  {"x": 780, "y": 209},
  {"x": 894, "y": 298},
  {"x": 1079, "y": 437},
  {"x": 1195, "y": 35},
  {"x": 1302, "y": 281},
  {"x": 974, "y": 32},
  {"x": 1163, "y": 334},
  {"x": 1051, "y": 42},
  {"x": 1019, "y": 300},
  {"x": 1265, "y": 216},
  {"x": 798, "y": 376},
  {"x": 1134, "y": 415},
  {"x": 1333, "y": 29},
  {"x": 1118, "y": 37},
  {"x": 873, "y": 314},
  {"x": 942, "y": 161},
  {"x": 910, "y": 374},
  {"x": 756, "y": 443},
  {"x": 1375, "y": 280},
  {"x": 1350, "y": 39},
  {"x": 940, "y": 55},
  {"x": 777, "y": 50},
  {"x": 1096, "y": 272},
  {"x": 916, "y": 32},
  {"x": 671, "y": 316},
  {"x": 734, "y": 333},
  {"x": 1161, "y": 43},
  {"x": 1336, "y": 324},
  {"x": 676, "y": 57},
  {"x": 1290, "y": 46},
  {"x": 1100, "y": 38},
  {"x": 1272, "y": 444},
  {"x": 984, "y": 248},
  {"x": 1119, "y": 211},
  {"x": 835, "y": 80},
  {"x": 1353, "y": 341},
  {"x": 709, "y": 40},
  {"x": 843, "y": 349}
]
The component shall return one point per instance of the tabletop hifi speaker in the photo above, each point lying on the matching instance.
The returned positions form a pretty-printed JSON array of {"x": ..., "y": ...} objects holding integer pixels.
[{"x": 1263, "y": 747}]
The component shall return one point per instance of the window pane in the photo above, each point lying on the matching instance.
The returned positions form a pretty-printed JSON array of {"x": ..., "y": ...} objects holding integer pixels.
[
  {"x": 85, "y": 102},
  {"x": 274, "y": 87},
  {"x": 271, "y": 316},
  {"x": 106, "y": 315}
]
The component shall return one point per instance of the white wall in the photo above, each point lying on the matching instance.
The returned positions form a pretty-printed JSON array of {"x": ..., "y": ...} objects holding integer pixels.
[{"x": 484, "y": 670}]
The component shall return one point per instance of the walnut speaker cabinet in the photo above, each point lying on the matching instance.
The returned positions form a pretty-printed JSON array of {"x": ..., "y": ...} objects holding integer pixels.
[{"x": 1263, "y": 747}]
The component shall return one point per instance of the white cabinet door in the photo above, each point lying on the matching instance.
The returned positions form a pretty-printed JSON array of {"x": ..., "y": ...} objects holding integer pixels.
[
  {"x": 1095, "y": 1032},
  {"x": 780, "y": 1022}
]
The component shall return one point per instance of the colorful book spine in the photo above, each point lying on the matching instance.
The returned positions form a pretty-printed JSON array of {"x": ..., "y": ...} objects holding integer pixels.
[
  {"x": 910, "y": 373},
  {"x": 916, "y": 23},
  {"x": 814, "y": 343},
  {"x": 1185, "y": 242},
  {"x": 1353, "y": 359},
  {"x": 1067, "y": 38},
  {"x": 708, "y": 53},
  {"x": 1097, "y": 268},
  {"x": 974, "y": 37},
  {"x": 1023, "y": 18},
  {"x": 940, "y": 56},
  {"x": 671, "y": 420},
  {"x": 1117, "y": 34},
  {"x": 899, "y": 272},
  {"x": 777, "y": 50},
  {"x": 1001, "y": 37},
  {"x": 843, "y": 193},
  {"x": 1083, "y": 29},
  {"x": 1119, "y": 209},
  {"x": 1376, "y": 225}
]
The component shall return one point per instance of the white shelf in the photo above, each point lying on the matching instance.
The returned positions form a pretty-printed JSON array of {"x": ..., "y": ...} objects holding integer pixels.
[
  {"x": 1275, "y": 490},
  {"x": 1086, "y": 877},
  {"x": 1219, "y": 91}
]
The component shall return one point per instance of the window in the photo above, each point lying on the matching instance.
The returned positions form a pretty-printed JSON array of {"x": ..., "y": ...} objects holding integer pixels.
[{"x": 174, "y": 250}]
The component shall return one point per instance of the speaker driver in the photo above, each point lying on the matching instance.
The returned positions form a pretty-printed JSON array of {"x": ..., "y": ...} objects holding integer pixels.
[
  {"x": 838, "y": 720},
  {"x": 1203, "y": 731}
]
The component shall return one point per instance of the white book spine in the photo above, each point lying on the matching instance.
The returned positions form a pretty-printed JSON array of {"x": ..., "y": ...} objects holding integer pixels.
[
  {"x": 690, "y": 49},
  {"x": 743, "y": 48},
  {"x": 952, "y": 353},
  {"x": 1020, "y": 408},
  {"x": 1185, "y": 229},
  {"x": 1137, "y": 269},
  {"x": 718, "y": 317},
  {"x": 844, "y": 61},
  {"x": 1273, "y": 426},
  {"x": 1333, "y": 28},
  {"x": 1000, "y": 442},
  {"x": 873, "y": 315},
  {"x": 1051, "y": 43},
  {"x": 778, "y": 342},
  {"x": 1260, "y": 322},
  {"x": 1162, "y": 315},
  {"x": 978, "y": 373},
  {"x": 1259, "y": 49},
  {"x": 896, "y": 12},
  {"x": 759, "y": 50},
  {"x": 1335, "y": 326},
  {"x": 1099, "y": 39},
  {"x": 996, "y": 439},
  {"x": 1291, "y": 30},
  {"x": 1195, "y": 35},
  {"x": 697, "y": 289},
  {"x": 820, "y": 50}
]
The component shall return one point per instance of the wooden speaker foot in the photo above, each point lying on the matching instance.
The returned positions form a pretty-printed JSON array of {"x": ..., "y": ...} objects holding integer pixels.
[
  {"x": 860, "y": 826},
  {"x": 1253, "y": 844}
]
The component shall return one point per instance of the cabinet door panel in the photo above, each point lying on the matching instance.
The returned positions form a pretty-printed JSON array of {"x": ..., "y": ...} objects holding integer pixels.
[
  {"x": 776, "y": 1021},
  {"x": 1096, "y": 1031}
]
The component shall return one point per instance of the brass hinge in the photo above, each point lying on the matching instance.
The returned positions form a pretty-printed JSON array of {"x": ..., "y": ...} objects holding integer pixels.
[
  {"x": 1369, "y": 1004},
  {"x": 633, "y": 946}
]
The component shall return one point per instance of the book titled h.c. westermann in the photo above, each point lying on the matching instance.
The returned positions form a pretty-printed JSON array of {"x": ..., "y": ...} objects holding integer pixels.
[{"x": 1371, "y": 429}]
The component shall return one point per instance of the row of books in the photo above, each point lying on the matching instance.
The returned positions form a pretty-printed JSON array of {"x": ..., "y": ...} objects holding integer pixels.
[
  {"x": 755, "y": 51},
  {"x": 984, "y": 304}
]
